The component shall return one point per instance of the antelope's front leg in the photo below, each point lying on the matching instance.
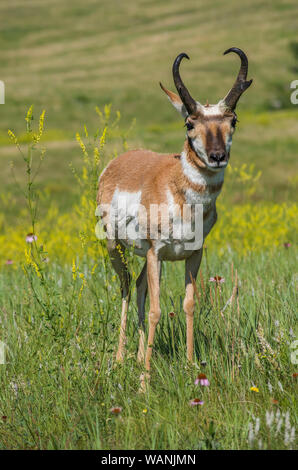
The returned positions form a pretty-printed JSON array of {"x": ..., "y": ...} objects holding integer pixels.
[
  {"x": 153, "y": 269},
  {"x": 192, "y": 265}
]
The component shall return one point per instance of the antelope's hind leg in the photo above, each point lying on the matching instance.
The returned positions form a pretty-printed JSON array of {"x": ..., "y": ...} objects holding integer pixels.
[
  {"x": 142, "y": 288},
  {"x": 153, "y": 279},
  {"x": 116, "y": 252},
  {"x": 153, "y": 276}
]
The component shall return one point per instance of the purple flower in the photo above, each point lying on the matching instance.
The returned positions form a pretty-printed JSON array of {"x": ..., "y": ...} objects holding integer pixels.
[
  {"x": 217, "y": 279},
  {"x": 30, "y": 238},
  {"x": 196, "y": 401},
  {"x": 287, "y": 245},
  {"x": 202, "y": 380},
  {"x": 9, "y": 261}
]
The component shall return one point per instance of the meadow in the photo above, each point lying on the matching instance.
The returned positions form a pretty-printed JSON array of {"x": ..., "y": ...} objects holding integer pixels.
[{"x": 61, "y": 387}]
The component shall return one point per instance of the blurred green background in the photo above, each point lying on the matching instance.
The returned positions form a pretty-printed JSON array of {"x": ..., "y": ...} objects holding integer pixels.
[{"x": 68, "y": 57}]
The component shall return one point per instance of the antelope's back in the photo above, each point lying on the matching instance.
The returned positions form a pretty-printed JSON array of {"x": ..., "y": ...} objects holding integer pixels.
[{"x": 132, "y": 172}]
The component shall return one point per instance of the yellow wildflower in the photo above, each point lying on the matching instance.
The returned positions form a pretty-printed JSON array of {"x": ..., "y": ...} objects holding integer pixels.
[
  {"x": 29, "y": 115},
  {"x": 12, "y": 137},
  {"x": 102, "y": 139},
  {"x": 74, "y": 270}
]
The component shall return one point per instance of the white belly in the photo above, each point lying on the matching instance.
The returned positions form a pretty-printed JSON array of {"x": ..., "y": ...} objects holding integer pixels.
[
  {"x": 123, "y": 221},
  {"x": 174, "y": 235}
]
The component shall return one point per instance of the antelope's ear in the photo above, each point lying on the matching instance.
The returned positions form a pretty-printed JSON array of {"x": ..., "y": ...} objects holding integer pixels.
[{"x": 176, "y": 101}]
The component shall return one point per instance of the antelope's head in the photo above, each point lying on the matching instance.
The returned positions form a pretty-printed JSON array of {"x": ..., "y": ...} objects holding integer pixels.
[{"x": 210, "y": 127}]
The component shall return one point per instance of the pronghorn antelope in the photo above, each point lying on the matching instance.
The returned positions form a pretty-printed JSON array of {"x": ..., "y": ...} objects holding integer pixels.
[{"x": 141, "y": 178}]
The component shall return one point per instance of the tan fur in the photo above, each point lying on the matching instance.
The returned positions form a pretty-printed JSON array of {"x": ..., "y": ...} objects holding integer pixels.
[{"x": 173, "y": 97}]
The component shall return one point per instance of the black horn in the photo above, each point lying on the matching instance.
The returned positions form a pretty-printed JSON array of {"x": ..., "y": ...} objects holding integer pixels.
[
  {"x": 188, "y": 101},
  {"x": 241, "y": 84}
]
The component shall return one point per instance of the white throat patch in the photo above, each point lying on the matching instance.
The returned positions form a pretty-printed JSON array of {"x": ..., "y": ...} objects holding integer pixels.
[{"x": 196, "y": 177}]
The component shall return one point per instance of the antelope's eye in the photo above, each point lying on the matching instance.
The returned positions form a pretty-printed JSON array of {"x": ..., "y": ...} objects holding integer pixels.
[
  {"x": 189, "y": 126},
  {"x": 234, "y": 120}
]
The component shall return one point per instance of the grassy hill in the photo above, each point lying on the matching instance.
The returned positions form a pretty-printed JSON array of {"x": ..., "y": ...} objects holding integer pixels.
[{"x": 68, "y": 58}]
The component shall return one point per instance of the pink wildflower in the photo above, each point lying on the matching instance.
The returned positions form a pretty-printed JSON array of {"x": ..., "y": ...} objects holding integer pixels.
[
  {"x": 30, "y": 238},
  {"x": 195, "y": 402},
  {"x": 202, "y": 380},
  {"x": 217, "y": 279}
]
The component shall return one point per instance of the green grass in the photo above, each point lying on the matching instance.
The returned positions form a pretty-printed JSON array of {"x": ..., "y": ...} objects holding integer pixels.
[{"x": 61, "y": 378}]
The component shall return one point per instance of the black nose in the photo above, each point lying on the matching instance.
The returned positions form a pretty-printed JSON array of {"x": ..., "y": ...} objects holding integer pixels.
[{"x": 217, "y": 156}]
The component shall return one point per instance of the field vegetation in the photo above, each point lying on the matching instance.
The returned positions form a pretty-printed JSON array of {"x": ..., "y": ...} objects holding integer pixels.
[{"x": 91, "y": 72}]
